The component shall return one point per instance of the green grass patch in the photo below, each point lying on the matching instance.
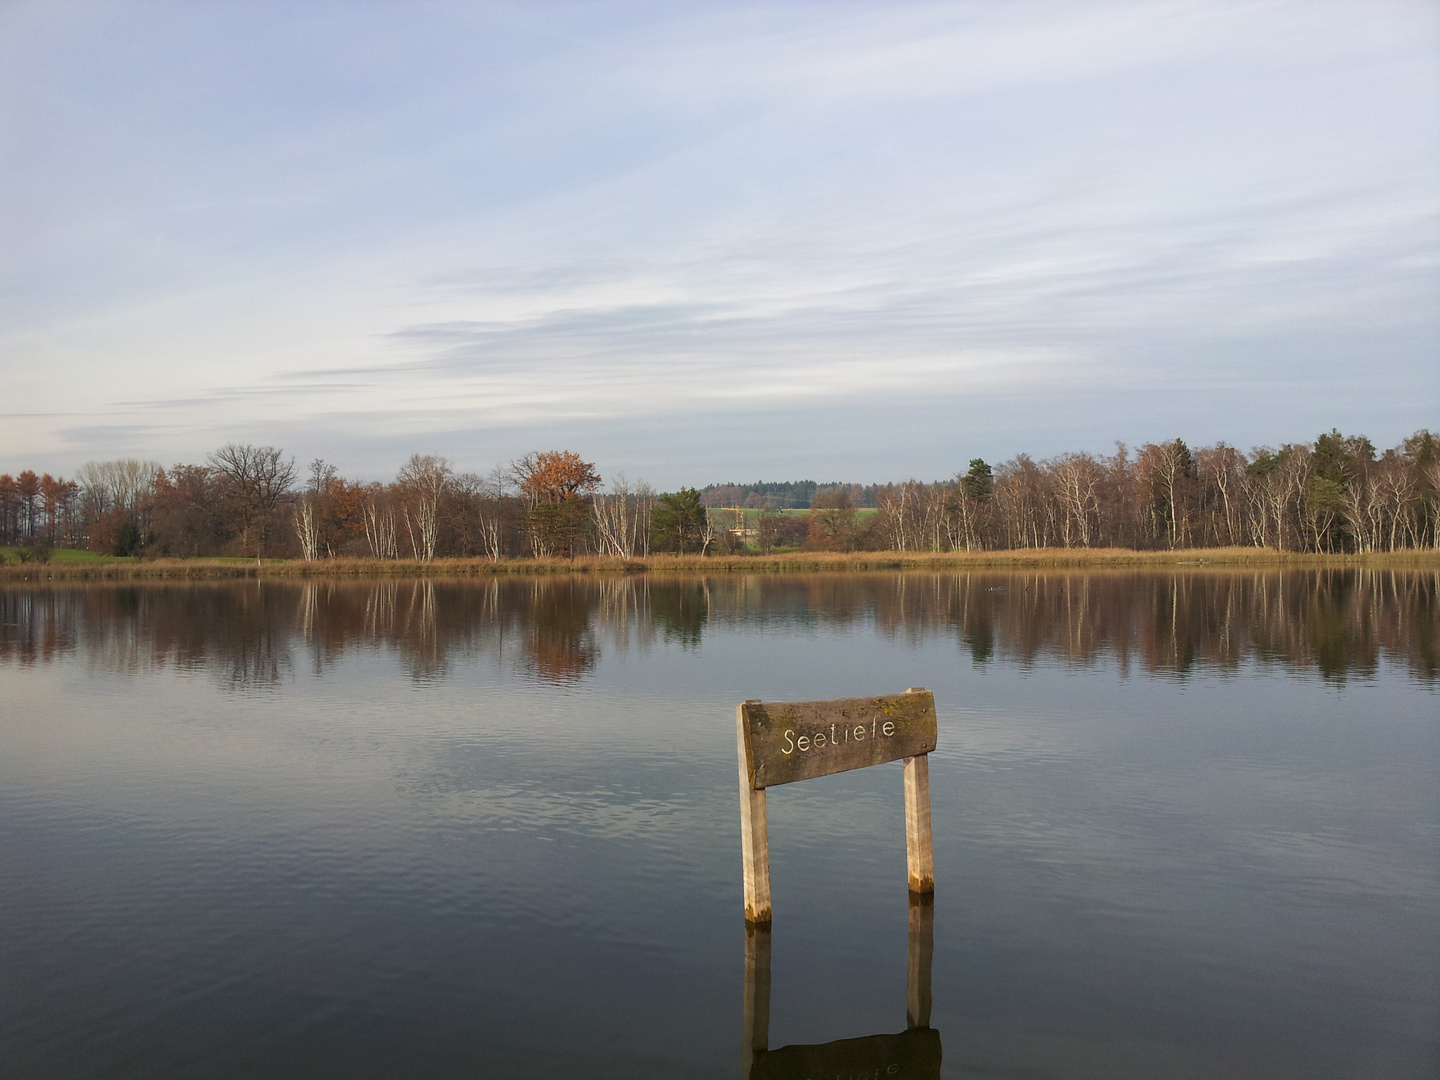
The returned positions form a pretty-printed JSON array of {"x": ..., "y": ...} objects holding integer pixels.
[{"x": 67, "y": 557}]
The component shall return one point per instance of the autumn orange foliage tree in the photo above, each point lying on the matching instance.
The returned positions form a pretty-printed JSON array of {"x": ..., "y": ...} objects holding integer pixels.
[
  {"x": 556, "y": 486},
  {"x": 552, "y": 476}
]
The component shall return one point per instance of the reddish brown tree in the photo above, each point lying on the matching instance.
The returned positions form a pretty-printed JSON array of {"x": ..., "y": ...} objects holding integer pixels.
[
  {"x": 556, "y": 486},
  {"x": 551, "y": 476}
]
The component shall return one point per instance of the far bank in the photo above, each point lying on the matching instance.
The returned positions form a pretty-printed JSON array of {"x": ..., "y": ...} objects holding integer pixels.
[{"x": 66, "y": 566}]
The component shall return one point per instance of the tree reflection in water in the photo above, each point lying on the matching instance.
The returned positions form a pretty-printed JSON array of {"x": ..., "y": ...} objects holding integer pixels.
[{"x": 1337, "y": 623}]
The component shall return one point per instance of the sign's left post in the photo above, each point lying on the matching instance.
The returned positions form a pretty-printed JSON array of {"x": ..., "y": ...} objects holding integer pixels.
[{"x": 754, "y": 835}]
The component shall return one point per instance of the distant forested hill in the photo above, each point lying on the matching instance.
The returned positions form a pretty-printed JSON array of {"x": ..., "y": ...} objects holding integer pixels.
[{"x": 783, "y": 495}]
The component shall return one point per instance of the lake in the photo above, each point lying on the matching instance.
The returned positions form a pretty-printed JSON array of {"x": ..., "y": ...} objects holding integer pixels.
[{"x": 1186, "y": 824}]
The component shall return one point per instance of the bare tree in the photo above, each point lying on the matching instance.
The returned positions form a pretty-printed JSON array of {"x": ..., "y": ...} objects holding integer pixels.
[
  {"x": 707, "y": 533},
  {"x": 1282, "y": 477},
  {"x": 898, "y": 507},
  {"x": 307, "y": 529},
  {"x": 1431, "y": 474},
  {"x": 935, "y": 516},
  {"x": 1222, "y": 470},
  {"x": 118, "y": 485},
  {"x": 307, "y": 516},
  {"x": 1397, "y": 495},
  {"x": 255, "y": 480},
  {"x": 492, "y": 498},
  {"x": 423, "y": 481},
  {"x": 1169, "y": 470},
  {"x": 1077, "y": 480},
  {"x": 612, "y": 519},
  {"x": 832, "y": 520},
  {"x": 380, "y": 525},
  {"x": 1020, "y": 499},
  {"x": 1364, "y": 509},
  {"x": 622, "y": 517}
]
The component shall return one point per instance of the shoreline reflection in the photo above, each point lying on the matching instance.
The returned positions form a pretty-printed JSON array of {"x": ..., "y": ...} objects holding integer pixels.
[{"x": 1339, "y": 624}]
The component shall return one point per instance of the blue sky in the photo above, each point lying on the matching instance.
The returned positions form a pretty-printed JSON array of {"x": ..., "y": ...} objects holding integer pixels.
[{"x": 714, "y": 242}]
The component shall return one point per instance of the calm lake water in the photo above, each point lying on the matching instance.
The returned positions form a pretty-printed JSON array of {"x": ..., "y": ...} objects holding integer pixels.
[{"x": 1185, "y": 825}]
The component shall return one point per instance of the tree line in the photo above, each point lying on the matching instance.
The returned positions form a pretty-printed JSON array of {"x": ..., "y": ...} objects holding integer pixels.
[
  {"x": 247, "y": 500},
  {"x": 1337, "y": 494}
]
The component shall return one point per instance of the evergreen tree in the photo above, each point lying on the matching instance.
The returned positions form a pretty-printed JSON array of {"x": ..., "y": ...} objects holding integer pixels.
[{"x": 678, "y": 522}]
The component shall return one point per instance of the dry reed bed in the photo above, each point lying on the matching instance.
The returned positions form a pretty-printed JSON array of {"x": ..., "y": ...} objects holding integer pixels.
[{"x": 805, "y": 562}]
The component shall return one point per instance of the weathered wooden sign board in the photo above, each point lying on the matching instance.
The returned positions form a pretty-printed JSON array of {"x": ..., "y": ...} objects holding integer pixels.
[
  {"x": 797, "y": 740},
  {"x": 782, "y": 742}
]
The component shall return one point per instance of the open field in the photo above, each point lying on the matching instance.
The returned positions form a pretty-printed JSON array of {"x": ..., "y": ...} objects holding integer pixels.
[
  {"x": 72, "y": 565},
  {"x": 10, "y": 555}
]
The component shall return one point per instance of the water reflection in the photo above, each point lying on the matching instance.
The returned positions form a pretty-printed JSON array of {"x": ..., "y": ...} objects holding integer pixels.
[
  {"x": 912, "y": 1054},
  {"x": 1338, "y": 623}
]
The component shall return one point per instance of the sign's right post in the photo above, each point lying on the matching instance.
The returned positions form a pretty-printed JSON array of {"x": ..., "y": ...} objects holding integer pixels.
[{"x": 919, "y": 851}]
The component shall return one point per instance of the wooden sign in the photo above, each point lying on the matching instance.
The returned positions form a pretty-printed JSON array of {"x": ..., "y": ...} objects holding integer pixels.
[
  {"x": 797, "y": 740},
  {"x": 782, "y": 742}
]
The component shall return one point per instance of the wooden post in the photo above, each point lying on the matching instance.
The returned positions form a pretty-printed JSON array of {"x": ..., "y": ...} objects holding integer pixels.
[
  {"x": 755, "y": 836},
  {"x": 755, "y": 1020},
  {"x": 921, "y": 957},
  {"x": 919, "y": 851}
]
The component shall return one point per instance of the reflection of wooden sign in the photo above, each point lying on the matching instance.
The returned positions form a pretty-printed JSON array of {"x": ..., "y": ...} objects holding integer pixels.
[
  {"x": 782, "y": 742},
  {"x": 913, "y": 1054},
  {"x": 905, "y": 1056}
]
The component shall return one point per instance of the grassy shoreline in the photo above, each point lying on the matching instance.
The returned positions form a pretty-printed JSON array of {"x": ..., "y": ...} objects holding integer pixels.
[{"x": 796, "y": 563}]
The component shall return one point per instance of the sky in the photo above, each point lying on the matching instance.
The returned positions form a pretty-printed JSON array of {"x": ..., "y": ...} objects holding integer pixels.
[{"x": 714, "y": 242}]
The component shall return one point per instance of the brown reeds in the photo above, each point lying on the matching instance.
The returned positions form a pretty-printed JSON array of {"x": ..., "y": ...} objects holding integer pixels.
[{"x": 798, "y": 562}]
